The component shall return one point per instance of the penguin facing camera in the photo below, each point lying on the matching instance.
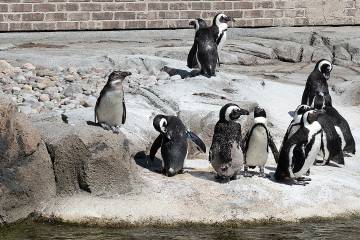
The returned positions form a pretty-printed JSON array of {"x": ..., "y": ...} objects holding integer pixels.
[
  {"x": 226, "y": 155},
  {"x": 173, "y": 142},
  {"x": 221, "y": 22},
  {"x": 110, "y": 109},
  {"x": 256, "y": 144},
  {"x": 299, "y": 152}
]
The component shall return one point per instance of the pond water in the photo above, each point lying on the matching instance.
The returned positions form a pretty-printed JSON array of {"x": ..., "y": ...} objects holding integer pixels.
[{"x": 334, "y": 229}]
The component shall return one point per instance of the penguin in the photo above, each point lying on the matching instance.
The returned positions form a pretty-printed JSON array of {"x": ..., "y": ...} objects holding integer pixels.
[
  {"x": 220, "y": 21},
  {"x": 110, "y": 110},
  {"x": 173, "y": 142},
  {"x": 257, "y": 142},
  {"x": 191, "y": 60},
  {"x": 299, "y": 152},
  {"x": 226, "y": 155},
  {"x": 317, "y": 83}
]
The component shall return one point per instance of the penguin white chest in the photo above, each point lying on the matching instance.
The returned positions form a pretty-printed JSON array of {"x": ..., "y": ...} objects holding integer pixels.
[
  {"x": 257, "y": 152},
  {"x": 110, "y": 109},
  {"x": 222, "y": 42}
]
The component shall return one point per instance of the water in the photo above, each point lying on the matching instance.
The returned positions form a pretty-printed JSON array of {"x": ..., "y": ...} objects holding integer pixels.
[{"x": 336, "y": 229}]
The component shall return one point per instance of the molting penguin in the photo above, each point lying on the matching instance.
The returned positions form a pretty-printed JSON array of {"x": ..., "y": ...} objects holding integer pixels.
[
  {"x": 317, "y": 83},
  {"x": 299, "y": 152},
  {"x": 173, "y": 142},
  {"x": 110, "y": 110},
  {"x": 257, "y": 142},
  {"x": 191, "y": 60},
  {"x": 226, "y": 155},
  {"x": 220, "y": 22}
]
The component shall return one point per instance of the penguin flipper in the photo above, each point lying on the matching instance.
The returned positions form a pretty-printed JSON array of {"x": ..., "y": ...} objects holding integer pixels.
[
  {"x": 155, "y": 147},
  {"x": 195, "y": 139},
  {"x": 124, "y": 113},
  {"x": 273, "y": 148},
  {"x": 192, "y": 56}
]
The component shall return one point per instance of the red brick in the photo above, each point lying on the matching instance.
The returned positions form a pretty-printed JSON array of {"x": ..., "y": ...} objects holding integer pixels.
[
  {"x": 243, "y": 5},
  {"x": 3, "y": 7},
  {"x": 222, "y": 5},
  {"x": 77, "y": 1},
  {"x": 90, "y": 7},
  {"x": 350, "y": 4},
  {"x": 283, "y": 22},
  {"x": 43, "y": 26},
  {"x": 20, "y": 7},
  {"x": 102, "y": 0},
  {"x": 4, "y": 27},
  {"x": 70, "y": 7},
  {"x": 136, "y": 6},
  {"x": 234, "y": 14},
  {"x": 350, "y": 12},
  {"x": 56, "y": 17},
  {"x": 20, "y": 27},
  {"x": 113, "y": 7},
  {"x": 157, "y": 24},
  {"x": 124, "y": 15},
  {"x": 10, "y": 1},
  {"x": 295, "y": 13},
  {"x": 253, "y": 14},
  {"x": 263, "y": 22},
  {"x": 113, "y": 24},
  {"x": 284, "y": 4},
  {"x": 300, "y": 4},
  {"x": 201, "y": 5},
  {"x": 67, "y": 25},
  {"x": 84, "y": 16},
  {"x": 273, "y": 13},
  {"x": 190, "y": 14},
  {"x": 158, "y": 6},
  {"x": 178, "y": 6},
  {"x": 90, "y": 25},
  {"x": 44, "y": 7},
  {"x": 12, "y": 17},
  {"x": 244, "y": 23},
  {"x": 169, "y": 15},
  {"x": 301, "y": 21},
  {"x": 264, "y": 4},
  {"x": 145, "y": 15},
  {"x": 33, "y": 1},
  {"x": 178, "y": 24},
  {"x": 102, "y": 16},
  {"x": 135, "y": 24},
  {"x": 208, "y": 15},
  {"x": 32, "y": 17}
]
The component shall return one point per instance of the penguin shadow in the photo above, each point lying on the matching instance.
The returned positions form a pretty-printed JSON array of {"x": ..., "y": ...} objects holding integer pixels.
[
  {"x": 203, "y": 175},
  {"x": 181, "y": 72},
  {"x": 143, "y": 160}
]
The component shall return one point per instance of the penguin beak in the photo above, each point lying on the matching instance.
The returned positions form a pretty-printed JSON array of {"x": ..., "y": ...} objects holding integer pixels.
[
  {"x": 125, "y": 74},
  {"x": 192, "y": 23},
  {"x": 229, "y": 19},
  {"x": 244, "y": 112},
  {"x": 291, "y": 113}
]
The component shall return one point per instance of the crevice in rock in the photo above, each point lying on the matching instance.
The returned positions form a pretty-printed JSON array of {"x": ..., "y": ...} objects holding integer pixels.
[{"x": 50, "y": 151}]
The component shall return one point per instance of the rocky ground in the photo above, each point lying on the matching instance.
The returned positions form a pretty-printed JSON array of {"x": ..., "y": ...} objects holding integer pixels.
[{"x": 46, "y": 75}]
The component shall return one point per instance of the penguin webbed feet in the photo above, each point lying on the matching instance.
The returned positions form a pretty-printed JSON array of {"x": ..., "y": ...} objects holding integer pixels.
[
  {"x": 262, "y": 172},
  {"x": 222, "y": 179},
  {"x": 115, "y": 129},
  {"x": 246, "y": 172}
]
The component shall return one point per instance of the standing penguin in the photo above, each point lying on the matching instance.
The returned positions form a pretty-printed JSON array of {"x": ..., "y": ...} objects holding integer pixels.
[
  {"x": 226, "y": 155},
  {"x": 317, "y": 83},
  {"x": 173, "y": 142},
  {"x": 257, "y": 143},
  {"x": 220, "y": 22},
  {"x": 191, "y": 60},
  {"x": 299, "y": 152},
  {"x": 110, "y": 110}
]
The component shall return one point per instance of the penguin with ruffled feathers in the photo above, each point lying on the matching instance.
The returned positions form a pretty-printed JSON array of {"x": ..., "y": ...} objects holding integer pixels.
[
  {"x": 317, "y": 83},
  {"x": 226, "y": 155},
  {"x": 173, "y": 142},
  {"x": 191, "y": 60},
  {"x": 257, "y": 142},
  {"x": 299, "y": 151},
  {"x": 110, "y": 109}
]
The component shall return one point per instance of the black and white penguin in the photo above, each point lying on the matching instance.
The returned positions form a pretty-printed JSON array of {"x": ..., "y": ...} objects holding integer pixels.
[
  {"x": 110, "y": 110},
  {"x": 226, "y": 155},
  {"x": 220, "y": 22},
  {"x": 173, "y": 142},
  {"x": 191, "y": 60},
  {"x": 257, "y": 142},
  {"x": 299, "y": 151},
  {"x": 317, "y": 83}
]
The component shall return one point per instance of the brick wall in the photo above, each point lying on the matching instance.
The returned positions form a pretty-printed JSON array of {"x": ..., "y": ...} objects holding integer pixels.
[{"x": 36, "y": 15}]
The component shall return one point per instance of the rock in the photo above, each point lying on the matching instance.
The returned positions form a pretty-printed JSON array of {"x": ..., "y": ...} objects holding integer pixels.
[
  {"x": 246, "y": 59},
  {"x": 228, "y": 58},
  {"x": 27, "y": 88},
  {"x": 89, "y": 101},
  {"x": 26, "y": 176},
  {"x": 6, "y": 46},
  {"x": 342, "y": 53},
  {"x": 44, "y": 98},
  {"x": 355, "y": 54},
  {"x": 51, "y": 91},
  {"x": 15, "y": 90},
  {"x": 349, "y": 92},
  {"x": 29, "y": 66},
  {"x": 29, "y": 99},
  {"x": 256, "y": 50},
  {"x": 72, "y": 70},
  {"x": 5, "y": 67},
  {"x": 45, "y": 73},
  {"x": 289, "y": 52},
  {"x": 307, "y": 54},
  {"x": 19, "y": 78},
  {"x": 322, "y": 53},
  {"x": 163, "y": 76},
  {"x": 44, "y": 83},
  {"x": 69, "y": 78}
]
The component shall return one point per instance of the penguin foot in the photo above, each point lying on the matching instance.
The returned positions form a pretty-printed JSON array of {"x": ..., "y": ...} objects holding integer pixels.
[
  {"x": 302, "y": 183},
  {"x": 182, "y": 171},
  {"x": 263, "y": 175},
  {"x": 116, "y": 129},
  {"x": 222, "y": 179},
  {"x": 304, "y": 179},
  {"x": 247, "y": 174},
  {"x": 105, "y": 126}
]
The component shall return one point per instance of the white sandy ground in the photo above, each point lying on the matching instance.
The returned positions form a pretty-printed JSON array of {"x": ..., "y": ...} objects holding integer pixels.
[{"x": 195, "y": 196}]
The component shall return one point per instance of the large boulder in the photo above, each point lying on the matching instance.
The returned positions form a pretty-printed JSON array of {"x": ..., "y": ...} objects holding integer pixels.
[{"x": 26, "y": 175}]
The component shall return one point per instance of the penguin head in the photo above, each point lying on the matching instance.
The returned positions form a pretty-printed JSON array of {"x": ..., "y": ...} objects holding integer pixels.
[
  {"x": 160, "y": 123},
  {"x": 116, "y": 77},
  {"x": 299, "y": 112},
  {"x": 311, "y": 116},
  {"x": 231, "y": 112},
  {"x": 259, "y": 115},
  {"x": 324, "y": 67},
  {"x": 198, "y": 24},
  {"x": 221, "y": 20}
]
